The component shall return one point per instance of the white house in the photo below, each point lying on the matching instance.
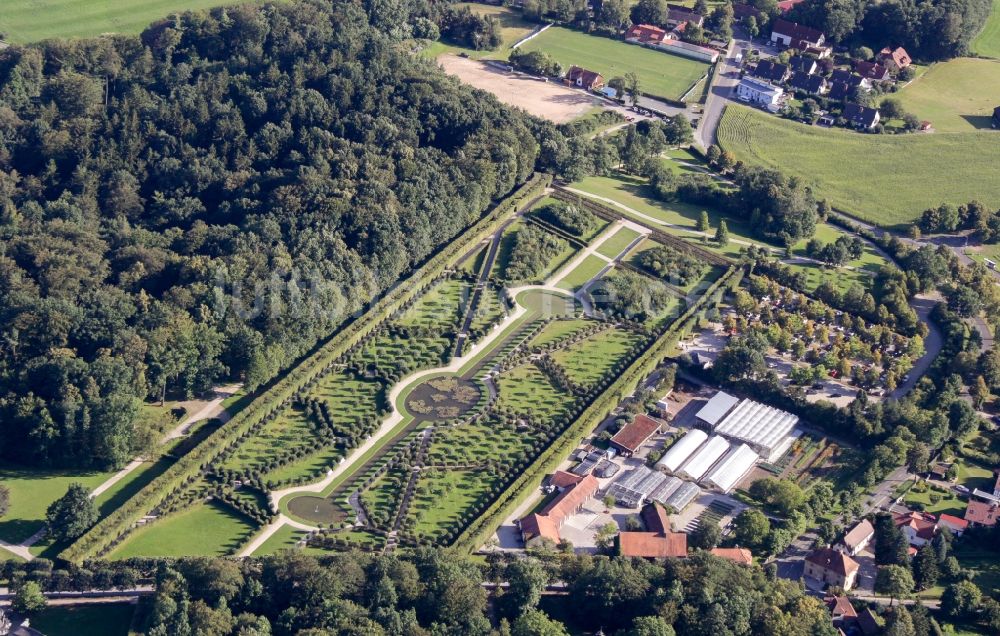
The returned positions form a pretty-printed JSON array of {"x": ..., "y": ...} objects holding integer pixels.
[{"x": 756, "y": 91}]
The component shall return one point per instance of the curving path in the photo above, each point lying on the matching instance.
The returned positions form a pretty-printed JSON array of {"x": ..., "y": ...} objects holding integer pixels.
[{"x": 356, "y": 457}]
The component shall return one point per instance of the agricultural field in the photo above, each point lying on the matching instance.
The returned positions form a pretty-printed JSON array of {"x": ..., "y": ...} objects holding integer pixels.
[
  {"x": 513, "y": 28},
  {"x": 860, "y": 173},
  {"x": 32, "y": 20},
  {"x": 987, "y": 43},
  {"x": 660, "y": 74},
  {"x": 956, "y": 96}
]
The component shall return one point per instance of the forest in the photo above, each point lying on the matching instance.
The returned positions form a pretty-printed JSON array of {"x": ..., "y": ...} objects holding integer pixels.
[{"x": 210, "y": 199}]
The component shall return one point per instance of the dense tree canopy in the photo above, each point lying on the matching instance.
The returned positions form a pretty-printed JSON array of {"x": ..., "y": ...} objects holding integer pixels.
[{"x": 210, "y": 199}]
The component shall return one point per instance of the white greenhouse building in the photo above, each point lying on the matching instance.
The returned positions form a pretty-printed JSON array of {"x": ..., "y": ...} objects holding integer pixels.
[
  {"x": 733, "y": 467},
  {"x": 685, "y": 494},
  {"x": 665, "y": 490},
  {"x": 702, "y": 461},
  {"x": 763, "y": 427},
  {"x": 716, "y": 408},
  {"x": 635, "y": 486},
  {"x": 683, "y": 448}
]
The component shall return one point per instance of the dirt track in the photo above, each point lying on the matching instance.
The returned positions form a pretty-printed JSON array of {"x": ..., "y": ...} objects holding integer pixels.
[{"x": 550, "y": 100}]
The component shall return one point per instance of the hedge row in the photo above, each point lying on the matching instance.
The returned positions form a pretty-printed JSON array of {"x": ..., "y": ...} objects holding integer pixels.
[
  {"x": 123, "y": 519},
  {"x": 478, "y": 532}
]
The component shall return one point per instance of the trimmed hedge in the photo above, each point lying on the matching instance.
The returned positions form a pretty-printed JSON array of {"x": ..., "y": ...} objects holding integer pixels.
[
  {"x": 531, "y": 478},
  {"x": 267, "y": 405}
]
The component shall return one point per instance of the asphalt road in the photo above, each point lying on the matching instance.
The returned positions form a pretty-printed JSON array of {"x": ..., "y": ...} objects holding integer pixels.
[{"x": 727, "y": 75}]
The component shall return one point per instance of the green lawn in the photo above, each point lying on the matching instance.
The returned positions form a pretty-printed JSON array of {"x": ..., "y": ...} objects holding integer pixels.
[
  {"x": 987, "y": 43},
  {"x": 660, "y": 74},
  {"x": 32, "y": 20},
  {"x": 617, "y": 243},
  {"x": 286, "y": 538},
  {"x": 106, "y": 619},
  {"x": 884, "y": 179},
  {"x": 526, "y": 389},
  {"x": 984, "y": 563},
  {"x": 589, "y": 360},
  {"x": 558, "y": 329},
  {"x": 583, "y": 272},
  {"x": 31, "y": 492},
  {"x": 513, "y": 28},
  {"x": 956, "y": 96},
  {"x": 206, "y": 529}
]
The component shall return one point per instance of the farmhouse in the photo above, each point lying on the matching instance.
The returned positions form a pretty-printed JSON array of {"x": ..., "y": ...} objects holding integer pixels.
[
  {"x": 812, "y": 84},
  {"x": 716, "y": 408},
  {"x": 918, "y": 527},
  {"x": 657, "y": 542},
  {"x": 771, "y": 71},
  {"x": 699, "y": 464},
  {"x": 645, "y": 34},
  {"x": 738, "y": 555},
  {"x": 831, "y": 567},
  {"x": 682, "y": 449},
  {"x": 795, "y": 35},
  {"x": 731, "y": 469},
  {"x": 862, "y": 117},
  {"x": 802, "y": 64},
  {"x": 583, "y": 78},
  {"x": 894, "y": 59},
  {"x": 767, "y": 430},
  {"x": 545, "y": 525},
  {"x": 678, "y": 15},
  {"x": 871, "y": 71},
  {"x": 633, "y": 435},
  {"x": 857, "y": 539}
]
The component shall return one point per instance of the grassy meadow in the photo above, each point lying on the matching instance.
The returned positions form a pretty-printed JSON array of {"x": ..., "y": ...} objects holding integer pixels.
[
  {"x": 33, "y": 20},
  {"x": 106, "y": 619},
  {"x": 206, "y": 529},
  {"x": 956, "y": 96},
  {"x": 512, "y": 28},
  {"x": 888, "y": 180},
  {"x": 987, "y": 43},
  {"x": 660, "y": 74}
]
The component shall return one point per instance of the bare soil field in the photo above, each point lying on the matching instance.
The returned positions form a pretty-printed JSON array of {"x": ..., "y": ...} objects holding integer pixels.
[{"x": 552, "y": 101}]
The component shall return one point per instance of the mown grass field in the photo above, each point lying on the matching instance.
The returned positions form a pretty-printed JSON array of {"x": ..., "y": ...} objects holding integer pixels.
[
  {"x": 512, "y": 28},
  {"x": 582, "y": 273},
  {"x": 660, "y": 74},
  {"x": 987, "y": 43},
  {"x": 33, "y": 20},
  {"x": 286, "y": 538},
  {"x": 956, "y": 96},
  {"x": 617, "y": 243},
  {"x": 207, "y": 529},
  {"x": 31, "y": 493},
  {"x": 888, "y": 180},
  {"x": 108, "y": 619}
]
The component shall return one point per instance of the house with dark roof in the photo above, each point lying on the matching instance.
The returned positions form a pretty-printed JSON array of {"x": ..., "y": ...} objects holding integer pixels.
[
  {"x": 657, "y": 542},
  {"x": 678, "y": 14},
  {"x": 796, "y": 36},
  {"x": 539, "y": 527},
  {"x": 832, "y": 567},
  {"x": 802, "y": 64},
  {"x": 872, "y": 71},
  {"x": 868, "y": 623},
  {"x": 861, "y": 117},
  {"x": 771, "y": 71},
  {"x": 894, "y": 59},
  {"x": 742, "y": 11},
  {"x": 812, "y": 84},
  {"x": 851, "y": 79},
  {"x": 634, "y": 434},
  {"x": 583, "y": 78}
]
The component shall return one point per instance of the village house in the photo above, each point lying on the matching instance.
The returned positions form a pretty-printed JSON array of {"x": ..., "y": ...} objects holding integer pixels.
[
  {"x": 953, "y": 524},
  {"x": 872, "y": 71},
  {"x": 861, "y": 117},
  {"x": 757, "y": 91},
  {"x": 583, "y": 78},
  {"x": 802, "y": 64},
  {"x": 678, "y": 15},
  {"x": 539, "y": 527},
  {"x": 852, "y": 80},
  {"x": 796, "y": 36},
  {"x": 812, "y": 84},
  {"x": 894, "y": 59},
  {"x": 787, "y": 5},
  {"x": 633, "y": 435},
  {"x": 982, "y": 513},
  {"x": 771, "y": 71},
  {"x": 831, "y": 567},
  {"x": 742, "y": 556},
  {"x": 645, "y": 34},
  {"x": 743, "y": 11},
  {"x": 658, "y": 542},
  {"x": 919, "y": 527},
  {"x": 857, "y": 539},
  {"x": 842, "y": 612}
]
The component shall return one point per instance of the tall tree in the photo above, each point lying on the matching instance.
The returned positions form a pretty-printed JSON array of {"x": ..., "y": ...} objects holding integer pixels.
[{"x": 72, "y": 514}]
